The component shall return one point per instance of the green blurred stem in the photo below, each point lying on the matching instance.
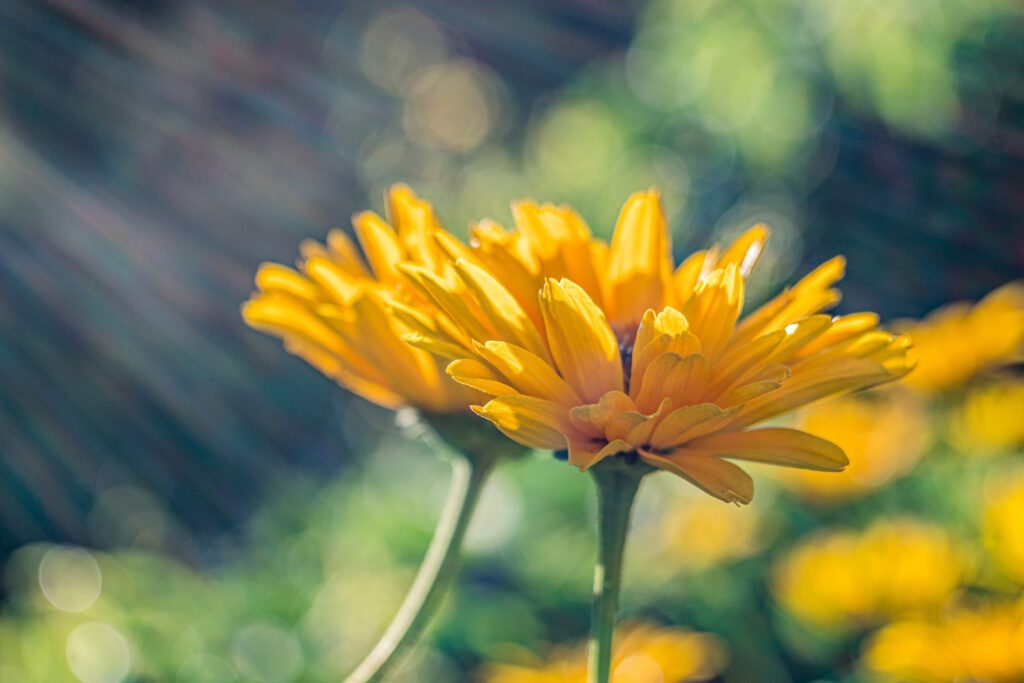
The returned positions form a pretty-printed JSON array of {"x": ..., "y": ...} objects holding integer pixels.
[
  {"x": 435, "y": 575},
  {"x": 616, "y": 489}
]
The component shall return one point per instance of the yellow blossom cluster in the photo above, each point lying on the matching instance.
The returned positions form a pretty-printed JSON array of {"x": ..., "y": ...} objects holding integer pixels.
[
  {"x": 840, "y": 580},
  {"x": 984, "y": 643},
  {"x": 643, "y": 654}
]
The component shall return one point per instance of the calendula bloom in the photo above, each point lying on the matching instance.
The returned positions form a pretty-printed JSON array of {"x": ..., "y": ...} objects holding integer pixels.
[
  {"x": 959, "y": 340},
  {"x": 983, "y": 643},
  {"x": 603, "y": 350},
  {"x": 883, "y": 432},
  {"x": 334, "y": 311},
  {"x": 643, "y": 654},
  {"x": 841, "y": 579},
  {"x": 989, "y": 419},
  {"x": 1004, "y": 524}
]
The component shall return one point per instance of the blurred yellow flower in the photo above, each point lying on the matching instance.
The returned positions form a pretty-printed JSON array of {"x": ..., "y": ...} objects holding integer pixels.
[
  {"x": 840, "y": 580},
  {"x": 697, "y": 533},
  {"x": 622, "y": 354},
  {"x": 956, "y": 341},
  {"x": 982, "y": 644},
  {"x": 335, "y": 312},
  {"x": 643, "y": 654},
  {"x": 1004, "y": 524},
  {"x": 883, "y": 432},
  {"x": 990, "y": 418}
]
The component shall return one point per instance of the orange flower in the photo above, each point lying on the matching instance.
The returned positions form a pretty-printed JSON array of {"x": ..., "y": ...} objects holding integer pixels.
[
  {"x": 334, "y": 311},
  {"x": 621, "y": 354}
]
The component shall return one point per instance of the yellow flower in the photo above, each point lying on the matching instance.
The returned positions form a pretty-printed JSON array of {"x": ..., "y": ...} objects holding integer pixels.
[
  {"x": 990, "y": 418},
  {"x": 334, "y": 312},
  {"x": 1004, "y": 525},
  {"x": 622, "y": 354},
  {"x": 643, "y": 654},
  {"x": 884, "y": 433},
  {"x": 981, "y": 644},
  {"x": 698, "y": 533},
  {"x": 957, "y": 341},
  {"x": 840, "y": 580}
]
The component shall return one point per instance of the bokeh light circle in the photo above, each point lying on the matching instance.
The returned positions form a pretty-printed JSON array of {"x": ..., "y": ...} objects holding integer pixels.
[
  {"x": 98, "y": 653},
  {"x": 70, "y": 579}
]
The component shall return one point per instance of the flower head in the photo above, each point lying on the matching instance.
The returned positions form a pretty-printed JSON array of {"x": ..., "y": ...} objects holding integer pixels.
[
  {"x": 958, "y": 340},
  {"x": 645, "y": 654},
  {"x": 606, "y": 350},
  {"x": 334, "y": 311}
]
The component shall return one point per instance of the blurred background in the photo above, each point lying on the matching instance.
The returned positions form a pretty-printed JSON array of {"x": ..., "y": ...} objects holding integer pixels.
[{"x": 180, "y": 500}]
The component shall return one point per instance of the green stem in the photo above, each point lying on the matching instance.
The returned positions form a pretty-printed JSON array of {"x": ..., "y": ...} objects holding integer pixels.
[
  {"x": 435, "y": 574},
  {"x": 616, "y": 489}
]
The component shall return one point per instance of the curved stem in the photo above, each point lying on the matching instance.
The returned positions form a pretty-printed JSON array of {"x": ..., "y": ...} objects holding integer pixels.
[
  {"x": 616, "y": 489},
  {"x": 435, "y": 575}
]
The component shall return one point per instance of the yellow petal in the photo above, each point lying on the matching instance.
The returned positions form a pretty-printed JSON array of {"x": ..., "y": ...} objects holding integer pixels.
[
  {"x": 721, "y": 479},
  {"x": 681, "y": 378},
  {"x": 640, "y": 261},
  {"x": 380, "y": 244},
  {"x": 331, "y": 366},
  {"x": 448, "y": 297},
  {"x": 415, "y": 223},
  {"x": 506, "y": 315},
  {"x": 593, "y": 418},
  {"x": 745, "y": 251},
  {"x": 775, "y": 445},
  {"x": 743, "y": 360},
  {"x": 803, "y": 388},
  {"x": 586, "y": 454},
  {"x": 673, "y": 429},
  {"x": 532, "y": 422},
  {"x": 714, "y": 309},
  {"x": 682, "y": 344},
  {"x": 343, "y": 251},
  {"x": 338, "y": 285},
  {"x": 621, "y": 424},
  {"x": 582, "y": 344},
  {"x": 272, "y": 276},
  {"x": 475, "y": 374},
  {"x": 284, "y": 318},
  {"x": 688, "y": 274},
  {"x": 640, "y": 434},
  {"x": 528, "y": 373},
  {"x": 809, "y": 296},
  {"x": 434, "y": 346},
  {"x": 842, "y": 328}
]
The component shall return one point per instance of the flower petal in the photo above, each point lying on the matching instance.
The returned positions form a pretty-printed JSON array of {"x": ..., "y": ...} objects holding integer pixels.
[
  {"x": 532, "y": 422},
  {"x": 775, "y": 445},
  {"x": 681, "y": 378},
  {"x": 640, "y": 262},
  {"x": 506, "y": 315},
  {"x": 380, "y": 244},
  {"x": 745, "y": 250},
  {"x": 475, "y": 374},
  {"x": 582, "y": 344},
  {"x": 721, "y": 479},
  {"x": 527, "y": 372}
]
